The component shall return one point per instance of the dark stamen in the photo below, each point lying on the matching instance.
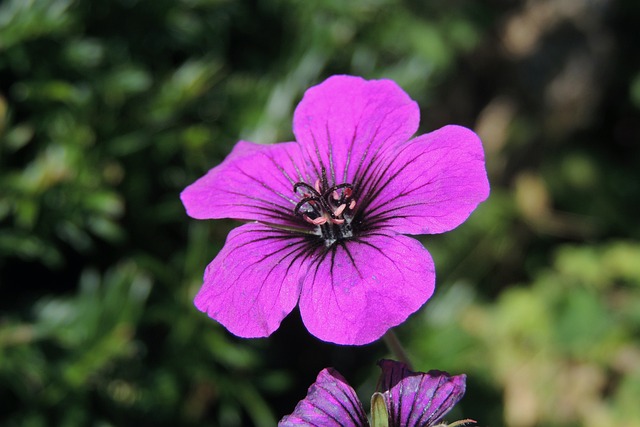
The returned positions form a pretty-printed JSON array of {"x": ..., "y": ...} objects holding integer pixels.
[
  {"x": 298, "y": 185},
  {"x": 330, "y": 209}
]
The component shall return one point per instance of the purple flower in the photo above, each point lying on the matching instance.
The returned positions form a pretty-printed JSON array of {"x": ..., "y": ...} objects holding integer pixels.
[
  {"x": 329, "y": 212},
  {"x": 407, "y": 399}
]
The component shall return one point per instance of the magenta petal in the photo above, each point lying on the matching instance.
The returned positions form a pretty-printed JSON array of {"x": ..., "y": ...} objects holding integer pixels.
[
  {"x": 255, "y": 280},
  {"x": 255, "y": 182},
  {"x": 360, "y": 288},
  {"x": 431, "y": 185},
  {"x": 330, "y": 402},
  {"x": 417, "y": 399},
  {"x": 346, "y": 122}
]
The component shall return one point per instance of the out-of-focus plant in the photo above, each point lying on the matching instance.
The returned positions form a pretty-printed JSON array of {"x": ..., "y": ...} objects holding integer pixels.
[
  {"x": 560, "y": 350},
  {"x": 86, "y": 350}
]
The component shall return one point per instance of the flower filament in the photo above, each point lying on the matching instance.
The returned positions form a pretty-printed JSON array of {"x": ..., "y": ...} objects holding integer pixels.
[{"x": 330, "y": 210}]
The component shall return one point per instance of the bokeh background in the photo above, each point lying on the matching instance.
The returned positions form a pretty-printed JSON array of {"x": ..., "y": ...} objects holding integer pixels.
[{"x": 108, "y": 108}]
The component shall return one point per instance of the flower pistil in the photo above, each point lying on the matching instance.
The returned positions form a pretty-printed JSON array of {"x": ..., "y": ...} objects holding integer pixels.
[{"x": 329, "y": 208}]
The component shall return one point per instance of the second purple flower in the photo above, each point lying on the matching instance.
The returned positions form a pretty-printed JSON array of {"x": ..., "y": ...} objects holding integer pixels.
[
  {"x": 329, "y": 213},
  {"x": 405, "y": 399}
]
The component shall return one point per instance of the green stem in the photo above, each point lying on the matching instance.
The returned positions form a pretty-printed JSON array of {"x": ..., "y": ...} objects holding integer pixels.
[{"x": 396, "y": 348}]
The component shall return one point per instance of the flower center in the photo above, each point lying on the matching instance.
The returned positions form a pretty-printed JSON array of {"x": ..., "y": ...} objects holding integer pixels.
[{"x": 330, "y": 209}]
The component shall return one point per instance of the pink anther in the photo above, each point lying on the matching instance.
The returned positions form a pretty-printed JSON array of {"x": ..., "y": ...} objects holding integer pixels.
[
  {"x": 335, "y": 195},
  {"x": 339, "y": 210},
  {"x": 352, "y": 205},
  {"x": 317, "y": 186},
  {"x": 318, "y": 221},
  {"x": 337, "y": 221}
]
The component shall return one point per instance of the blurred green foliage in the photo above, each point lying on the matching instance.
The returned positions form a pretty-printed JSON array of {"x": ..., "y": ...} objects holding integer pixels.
[
  {"x": 109, "y": 108},
  {"x": 562, "y": 350}
]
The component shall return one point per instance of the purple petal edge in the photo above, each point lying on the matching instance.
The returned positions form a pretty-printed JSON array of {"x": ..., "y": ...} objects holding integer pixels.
[
  {"x": 418, "y": 399},
  {"x": 255, "y": 280},
  {"x": 431, "y": 184},
  {"x": 255, "y": 183},
  {"x": 356, "y": 291},
  {"x": 345, "y": 122},
  {"x": 330, "y": 402}
]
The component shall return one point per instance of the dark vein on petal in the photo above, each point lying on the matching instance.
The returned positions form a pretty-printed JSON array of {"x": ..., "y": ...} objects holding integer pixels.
[
  {"x": 349, "y": 151},
  {"x": 325, "y": 412},
  {"x": 330, "y": 146},
  {"x": 402, "y": 195},
  {"x": 273, "y": 238},
  {"x": 355, "y": 407},
  {"x": 322, "y": 173},
  {"x": 378, "y": 185},
  {"x": 413, "y": 404},
  {"x": 386, "y": 214},
  {"x": 380, "y": 251},
  {"x": 371, "y": 140},
  {"x": 308, "y": 421},
  {"x": 295, "y": 166},
  {"x": 375, "y": 185},
  {"x": 429, "y": 404},
  {"x": 334, "y": 250},
  {"x": 400, "y": 399},
  {"x": 280, "y": 168},
  {"x": 309, "y": 250},
  {"x": 270, "y": 210},
  {"x": 340, "y": 402},
  {"x": 319, "y": 260},
  {"x": 252, "y": 213},
  {"x": 293, "y": 249},
  {"x": 353, "y": 140},
  {"x": 377, "y": 154},
  {"x": 440, "y": 411},
  {"x": 266, "y": 202},
  {"x": 266, "y": 186},
  {"x": 365, "y": 154},
  {"x": 267, "y": 238},
  {"x": 353, "y": 261},
  {"x": 365, "y": 182}
]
